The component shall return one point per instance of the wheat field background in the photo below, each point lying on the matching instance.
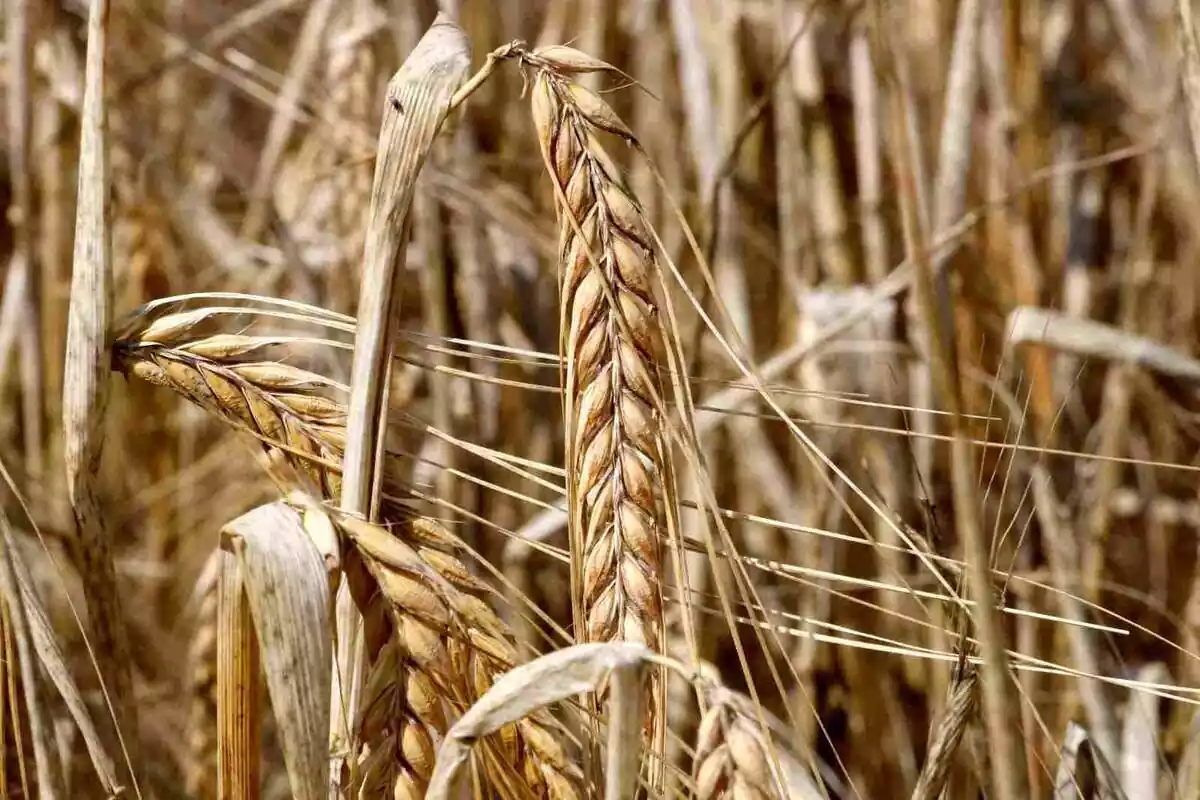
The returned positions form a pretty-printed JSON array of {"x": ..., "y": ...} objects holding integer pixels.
[{"x": 740, "y": 399}]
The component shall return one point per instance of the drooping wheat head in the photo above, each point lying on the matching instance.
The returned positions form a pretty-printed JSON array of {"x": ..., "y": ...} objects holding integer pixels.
[
  {"x": 434, "y": 644},
  {"x": 284, "y": 407},
  {"x": 448, "y": 646}
]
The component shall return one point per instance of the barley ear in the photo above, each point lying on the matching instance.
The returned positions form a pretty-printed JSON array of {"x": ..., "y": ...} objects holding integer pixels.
[
  {"x": 736, "y": 759},
  {"x": 947, "y": 733},
  {"x": 433, "y": 645},
  {"x": 616, "y": 450}
]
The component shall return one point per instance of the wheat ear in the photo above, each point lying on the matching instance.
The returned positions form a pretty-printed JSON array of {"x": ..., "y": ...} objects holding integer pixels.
[
  {"x": 432, "y": 637},
  {"x": 733, "y": 757},
  {"x": 451, "y": 647},
  {"x": 284, "y": 407},
  {"x": 613, "y": 340},
  {"x": 947, "y": 733}
]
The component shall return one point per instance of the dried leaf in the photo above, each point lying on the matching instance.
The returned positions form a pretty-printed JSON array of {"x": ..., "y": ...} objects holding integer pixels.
[
  {"x": 525, "y": 689},
  {"x": 288, "y": 591},
  {"x": 45, "y": 755},
  {"x": 45, "y": 642},
  {"x": 1087, "y": 338},
  {"x": 1076, "y": 776}
]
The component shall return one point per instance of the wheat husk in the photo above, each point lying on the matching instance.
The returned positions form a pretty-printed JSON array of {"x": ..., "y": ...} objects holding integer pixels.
[{"x": 736, "y": 759}]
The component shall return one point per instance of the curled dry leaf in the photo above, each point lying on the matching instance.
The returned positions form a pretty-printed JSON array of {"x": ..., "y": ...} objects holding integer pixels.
[
  {"x": 523, "y": 691},
  {"x": 284, "y": 580}
]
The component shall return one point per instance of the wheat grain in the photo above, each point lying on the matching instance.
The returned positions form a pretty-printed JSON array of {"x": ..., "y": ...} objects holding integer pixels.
[
  {"x": 613, "y": 341},
  {"x": 733, "y": 758}
]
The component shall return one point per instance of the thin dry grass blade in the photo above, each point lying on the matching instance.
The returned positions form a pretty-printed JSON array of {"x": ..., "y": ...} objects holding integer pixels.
[
  {"x": 287, "y": 588},
  {"x": 14, "y": 751},
  {"x": 51, "y": 657},
  {"x": 49, "y": 772},
  {"x": 239, "y": 711},
  {"x": 86, "y": 379}
]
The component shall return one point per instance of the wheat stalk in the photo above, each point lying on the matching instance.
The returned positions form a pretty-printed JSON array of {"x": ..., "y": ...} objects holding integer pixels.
[
  {"x": 616, "y": 448},
  {"x": 200, "y": 779}
]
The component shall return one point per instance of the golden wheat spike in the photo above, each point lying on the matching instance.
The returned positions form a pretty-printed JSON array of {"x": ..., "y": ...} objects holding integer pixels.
[{"x": 615, "y": 442}]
